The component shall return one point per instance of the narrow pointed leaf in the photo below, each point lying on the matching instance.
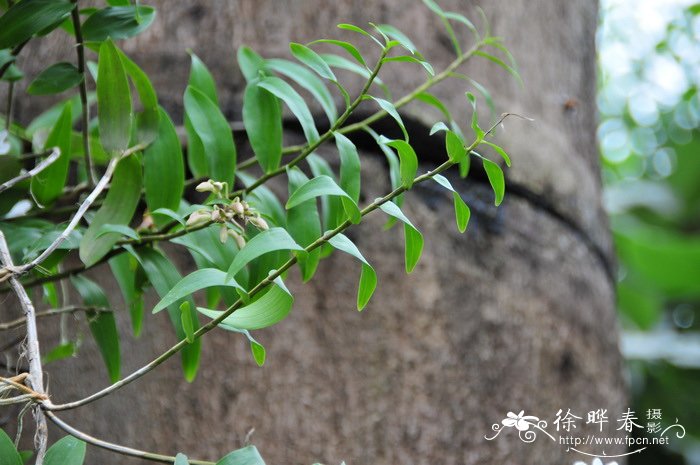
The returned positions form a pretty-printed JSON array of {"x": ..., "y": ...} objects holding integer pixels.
[
  {"x": 462, "y": 212},
  {"x": 28, "y": 17},
  {"x": 262, "y": 117},
  {"x": 118, "y": 22},
  {"x": 123, "y": 268},
  {"x": 349, "y": 166},
  {"x": 113, "y": 100},
  {"x": 430, "y": 99},
  {"x": 193, "y": 282},
  {"x": 307, "y": 80},
  {"x": 412, "y": 237},
  {"x": 55, "y": 79},
  {"x": 268, "y": 310},
  {"x": 215, "y": 134},
  {"x": 47, "y": 185},
  {"x": 347, "y": 46},
  {"x": 399, "y": 36},
  {"x": 164, "y": 171},
  {"x": 495, "y": 175},
  {"x": 118, "y": 208},
  {"x": 246, "y": 456},
  {"x": 311, "y": 59},
  {"x": 295, "y": 103},
  {"x": 118, "y": 229},
  {"x": 186, "y": 320},
  {"x": 164, "y": 276},
  {"x": 102, "y": 325},
  {"x": 304, "y": 225},
  {"x": 408, "y": 161},
  {"x": 8, "y": 452},
  {"x": 148, "y": 118},
  {"x": 391, "y": 110},
  {"x": 455, "y": 147},
  {"x": 499, "y": 150},
  {"x": 66, "y": 451},
  {"x": 324, "y": 185},
  {"x": 368, "y": 277},
  {"x": 250, "y": 63},
  {"x": 267, "y": 241}
]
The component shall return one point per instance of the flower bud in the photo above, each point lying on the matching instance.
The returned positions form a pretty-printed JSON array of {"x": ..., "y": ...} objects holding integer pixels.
[
  {"x": 205, "y": 186},
  {"x": 240, "y": 241},
  {"x": 198, "y": 217},
  {"x": 259, "y": 223},
  {"x": 237, "y": 206},
  {"x": 215, "y": 215},
  {"x": 223, "y": 234}
]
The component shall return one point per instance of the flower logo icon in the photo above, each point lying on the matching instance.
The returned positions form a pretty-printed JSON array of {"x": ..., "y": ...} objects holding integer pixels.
[{"x": 520, "y": 421}]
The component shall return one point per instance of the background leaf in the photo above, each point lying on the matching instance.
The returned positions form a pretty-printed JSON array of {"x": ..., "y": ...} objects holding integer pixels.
[
  {"x": 412, "y": 237},
  {"x": 28, "y": 17},
  {"x": 262, "y": 117},
  {"x": 368, "y": 277},
  {"x": 295, "y": 103},
  {"x": 66, "y": 451},
  {"x": 47, "y": 185},
  {"x": 119, "y": 22},
  {"x": 246, "y": 456},
  {"x": 55, "y": 79},
  {"x": 113, "y": 100}
]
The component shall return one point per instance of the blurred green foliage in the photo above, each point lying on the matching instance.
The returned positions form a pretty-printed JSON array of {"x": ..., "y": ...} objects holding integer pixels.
[{"x": 649, "y": 136}]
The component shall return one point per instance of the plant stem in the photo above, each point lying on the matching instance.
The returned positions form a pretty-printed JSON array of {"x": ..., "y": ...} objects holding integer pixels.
[
  {"x": 116, "y": 447},
  {"x": 412, "y": 95},
  {"x": 55, "y": 153},
  {"x": 35, "y": 378},
  {"x": 75, "y": 16},
  {"x": 324, "y": 137},
  {"x": 54, "y": 311}
]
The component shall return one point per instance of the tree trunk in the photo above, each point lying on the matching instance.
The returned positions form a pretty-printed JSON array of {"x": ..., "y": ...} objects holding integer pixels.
[{"x": 516, "y": 314}]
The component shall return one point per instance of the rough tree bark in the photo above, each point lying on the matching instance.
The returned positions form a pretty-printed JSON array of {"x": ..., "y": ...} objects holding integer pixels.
[{"x": 517, "y": 314}]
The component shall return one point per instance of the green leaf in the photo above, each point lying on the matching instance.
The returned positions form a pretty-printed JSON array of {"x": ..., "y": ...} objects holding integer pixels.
[
  {"x": 118, "y": 209},
  {"x": 55, "y": 79},
  {"x": 462, "y": 212},
  {"x": 498, "y": 150},
  {"x": 399, "y": 36},
  {"x": 368, "y": 277},
  {"x": 66, "y": 451},
  {"x": 47, "y": 185},
  {"x": 148, "y": 118},
  {"x": 495, "y": 175},
  {"x": 214, "y": 131},
  {"x": 347, "y": 46},
  {"x": 169, "y": 213},
  {"x": 412, "y": 237},
  {"x": 411, "y": 59},
  {"x": 119, "y": 22},
  {"x": 307, "y": 80},
  {"x": 391, "y": 110},
  {"x": 324, "y": 185},
  {"x": 262, "y": 118},
  {"x": 512, "y": 71},
  {"x": 246, "y": 456},
  {"x": 258, "y": 351},
  {"x": 186, "y": 320},
  {"x": 336, "y": 61},
  {"x": 267, "y": 241},
  {"x": 193, "y": 282},
  {"x": 408, "y": 160},
  {"x": 119, "y": 229},
  {"x": 181, "y": 459},
  {"x": 349, "y": 166},
  {"x": 102, "y": 324},
  {"x": 304, "y": 225},
  {"x": 294, "y": 102},
  {"x": 29, "y": 17},
  {"x": 201, "y": 78},
  {"x": 8, "y": 452},
  {"x": 311, "y": 59},
  {"x": 455, "y": 147},
  {"x": 359, "y": 30},
  {"x": 164, "y": 276},
  {"x": 124, "y": 268},
  {"x": 448, "y": 27},
  {"x": 268, "y": 310},
  {"x": 59, "y": 352},
  {"x": 475, "y": 118},
  {"x": 164, "y": 171},
  {"x": 250, "y": 63},
  {"x": 439, "y": 126},
  {"x": 113, "y": 100}
]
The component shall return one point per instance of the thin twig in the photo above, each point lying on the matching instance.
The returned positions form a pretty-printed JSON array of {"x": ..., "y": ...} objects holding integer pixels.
[
  {"x": 35, "y": 378},
  {"x": 55, "y": 153},
  {"x": 89, "y": 167},
  {"x": 116, "y": 447},
  {"x": 53, "y": 312},
  {"x": 10, "y": 270}
]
